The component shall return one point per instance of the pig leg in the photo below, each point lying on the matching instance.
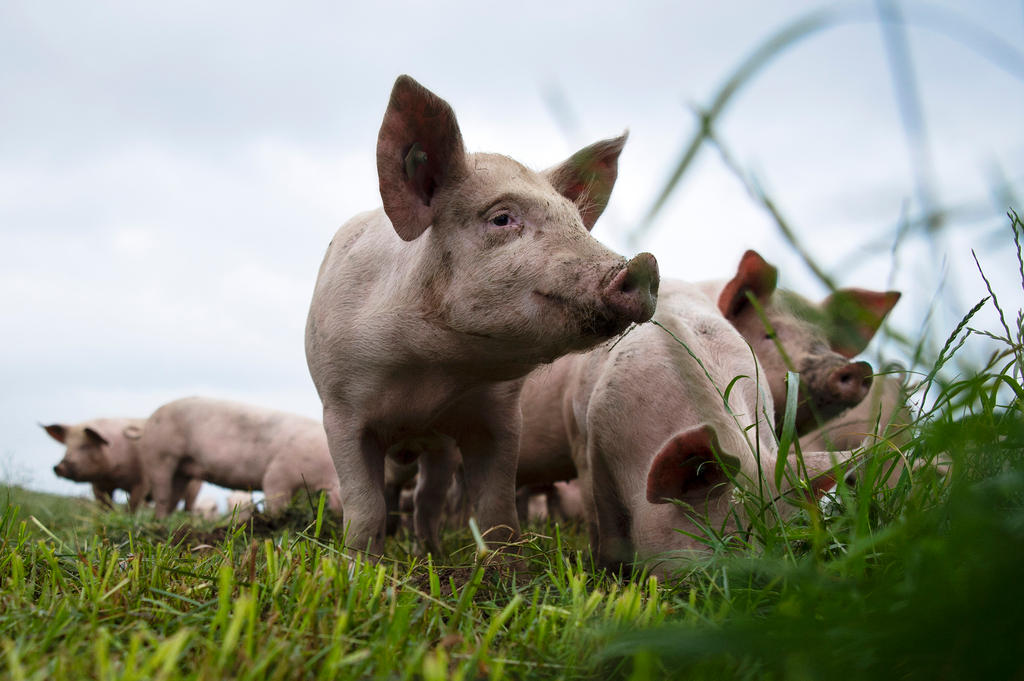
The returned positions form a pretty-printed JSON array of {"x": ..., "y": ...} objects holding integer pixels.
[
  {"x": 137, "y": 495},
  {"x": 607, "y": 516},
  {"x": 395, "y": 477},
  {"x": 161, "y": 480},
  {"x": 489, "y": 457},
  {"x": 103, "y": 495},
  {"x": 191, "y": 492},
  {"x": 359, "y": 461},
  {"x": 276, "y": 496},
  {"x": 437, "y": 465}
]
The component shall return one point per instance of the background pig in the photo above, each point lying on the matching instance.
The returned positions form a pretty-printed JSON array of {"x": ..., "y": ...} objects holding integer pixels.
[
  {"x": 238, "y": 446},
  {"x": 103, "y": 452},
  {"x": 427, "y": 313},
  {"x": 648, "y": 422},
  {"x": 816, "y": 340}
]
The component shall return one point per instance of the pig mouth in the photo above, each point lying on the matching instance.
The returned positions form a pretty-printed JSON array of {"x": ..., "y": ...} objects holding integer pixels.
[{"x": 591, "y": 322}]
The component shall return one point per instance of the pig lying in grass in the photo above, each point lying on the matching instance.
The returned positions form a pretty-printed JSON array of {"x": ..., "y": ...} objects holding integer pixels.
[
  {"x": 238, "y": 446},
  {"x": 104, "y": 452},
  {"x": 428, "y": 312},
  {"x": 815, "y": 339},
  {"x": 646, "y": 421},
  {"x": 818, "y": 341}
]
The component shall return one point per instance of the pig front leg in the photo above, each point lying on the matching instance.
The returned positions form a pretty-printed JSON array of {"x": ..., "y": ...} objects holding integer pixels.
[
  {"x": 103, "y": 495},
  {"x": 161, "y": 479},
  {"x": 359, "y": 461},
  {"x": 607, "y": 516},
  {"x": 137, "y": 495}
]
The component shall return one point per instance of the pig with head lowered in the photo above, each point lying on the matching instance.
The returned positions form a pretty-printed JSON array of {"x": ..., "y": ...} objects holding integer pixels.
[
  {"x": 647, "y": 421},
  {"x": 238, "y": 446},
  {"x": 817, "y": 340},
  {"x": 427, "y": 313},
  {"x": 104, "y": 452}
]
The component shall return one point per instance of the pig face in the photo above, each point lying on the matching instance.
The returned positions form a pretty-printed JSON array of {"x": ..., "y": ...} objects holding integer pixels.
[
  {"x": 816, "y": 340},
  {"x": 512, "y": 263},
  {"x": 86, "y": 457},
  {"x": 692, "y": 467}
]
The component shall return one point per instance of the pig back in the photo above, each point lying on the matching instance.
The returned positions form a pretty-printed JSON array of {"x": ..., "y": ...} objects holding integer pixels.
[{"x": 227, "y": 443}]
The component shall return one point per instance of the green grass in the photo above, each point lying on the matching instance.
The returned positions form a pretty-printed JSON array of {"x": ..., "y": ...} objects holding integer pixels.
[{"x": 915, "y": 580}]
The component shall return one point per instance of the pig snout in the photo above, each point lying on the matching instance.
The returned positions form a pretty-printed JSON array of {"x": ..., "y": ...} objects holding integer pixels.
[
  {"x": 633, "y": 292},
  {"x": 62, "y": 469},
  {"x": 850, "y": 383}
]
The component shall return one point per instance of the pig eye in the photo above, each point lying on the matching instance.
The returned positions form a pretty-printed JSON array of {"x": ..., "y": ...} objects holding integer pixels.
[{"x": 501, "y": 220}]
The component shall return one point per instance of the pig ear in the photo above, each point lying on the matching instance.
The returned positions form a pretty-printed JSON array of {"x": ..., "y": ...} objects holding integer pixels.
[
  {"x": 95, "y": 437},
  {"x": 419, "y": 150},
  {"x": 854, "y": 316},
  {"x": 56, "y": 431},
  {"x": 588, "y": 176},
  {"x": 754, "y": 275},
  {"x": 690, "y": 466}
]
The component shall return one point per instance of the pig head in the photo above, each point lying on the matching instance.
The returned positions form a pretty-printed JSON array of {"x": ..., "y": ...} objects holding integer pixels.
[
  {"x": 426, "y": 313},
  {"x": 817, "y": 340},
  {"x": 102, "y": 452}
]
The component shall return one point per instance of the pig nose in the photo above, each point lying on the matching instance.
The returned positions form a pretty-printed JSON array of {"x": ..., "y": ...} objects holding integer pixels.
[
  {"x": 850, "y": 383},
  {"x": 633, "y": 291}
]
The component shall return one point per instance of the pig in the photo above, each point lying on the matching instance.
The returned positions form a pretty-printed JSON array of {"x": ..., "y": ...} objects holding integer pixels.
[
  {"x": 240, "y": 506},
  {"x": 559, "y": 501},
  {"x": 105, "y": 453},
  {"x": 205, "y": 508},
  {"x": 238, "y": 446},
  {"x": 427, "y": 313},
  {"x": 645, "y": 421},
  {"x": 102, "y": 452},
  {"x": 816, "y": 340}
]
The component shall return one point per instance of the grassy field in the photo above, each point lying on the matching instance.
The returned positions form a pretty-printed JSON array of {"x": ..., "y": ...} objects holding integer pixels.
[{"x": 918, "y": 581}]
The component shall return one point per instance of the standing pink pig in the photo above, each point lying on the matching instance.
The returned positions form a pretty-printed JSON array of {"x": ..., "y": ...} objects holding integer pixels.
[
  {"x": 102, "y": 452},
  {"x": 428, "y": 312},
  {"x": 237, "y": 446}
]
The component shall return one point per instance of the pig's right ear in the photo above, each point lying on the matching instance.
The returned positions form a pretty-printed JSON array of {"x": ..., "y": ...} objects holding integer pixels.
[
  {"x": 690, "y": 466},
  {"x": 56, "y": 431},
  {"x": 588, "y": 176},
  {"x": 854, "y": 315},
  {"x": 754, "y": 275},
  {"x": 419, "y": 150}
]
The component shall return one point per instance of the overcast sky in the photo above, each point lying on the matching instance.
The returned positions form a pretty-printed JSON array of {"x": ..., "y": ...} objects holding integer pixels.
[{"x": 170, "y": 174}]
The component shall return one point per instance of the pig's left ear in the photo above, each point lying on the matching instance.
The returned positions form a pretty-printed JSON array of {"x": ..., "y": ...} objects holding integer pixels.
[
  {"x": 690, "y": 467},
  {"x": 588, "y": 176},
  {"x": 854, "y": 315},
  {"x": 754, "y": 275},
  {"x": 95, "y": 437}
]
